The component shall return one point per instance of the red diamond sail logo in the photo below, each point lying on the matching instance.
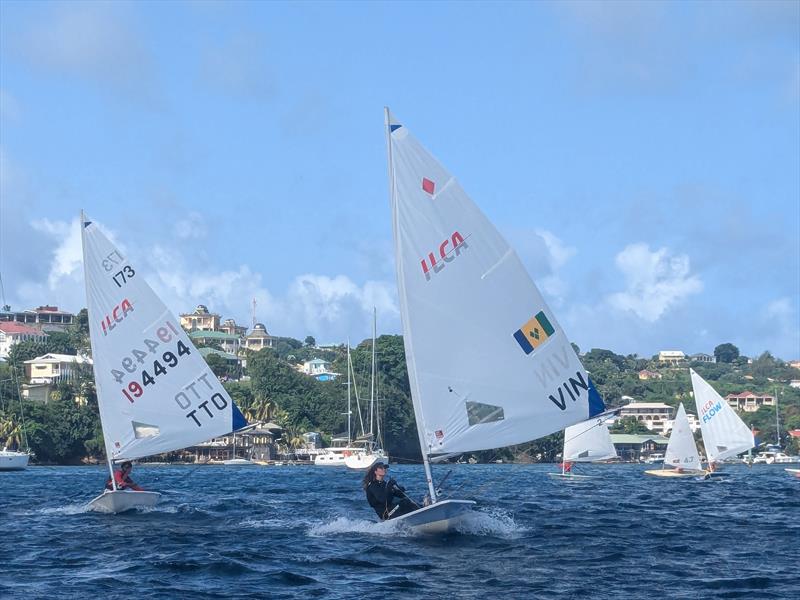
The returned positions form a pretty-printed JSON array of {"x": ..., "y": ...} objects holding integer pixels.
[{"x": 427, "y": 185}]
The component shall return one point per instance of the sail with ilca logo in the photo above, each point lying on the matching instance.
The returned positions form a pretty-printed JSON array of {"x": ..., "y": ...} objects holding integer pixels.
[
  {"x": 488, "y": 362},
  {"x": 154, "y": 390},
  {"x": 724, "y": 433}
]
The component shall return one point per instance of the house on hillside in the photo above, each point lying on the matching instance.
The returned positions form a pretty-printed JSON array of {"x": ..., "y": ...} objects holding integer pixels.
[
  {"x": 703, "y": 358},
  {"x": 748, "y": 401},
  {"x": 671, "y": 356},
  {"x": 653, "y": 415},
  {"x": 646, "y": 374},
  {"x": 200, "y": 320},
  {"x": 52, "y": 368},
  {"x": 43, "y": 318},
  {"x": 13, "y": 333}
]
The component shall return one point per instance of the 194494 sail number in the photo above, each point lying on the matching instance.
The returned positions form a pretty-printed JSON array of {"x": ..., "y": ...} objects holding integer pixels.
[{"x": 170, "y": 358}]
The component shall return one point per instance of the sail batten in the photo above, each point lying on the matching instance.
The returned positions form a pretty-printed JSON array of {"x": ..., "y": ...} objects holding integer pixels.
[
  {"x": 724, "y": 433},
  {"x": 155, "y": 392},
  {"x": 489, "y": 365}
]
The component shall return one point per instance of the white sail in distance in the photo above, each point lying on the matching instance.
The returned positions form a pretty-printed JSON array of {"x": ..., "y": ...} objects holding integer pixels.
[
  {"x": 154, "y": 390},
  {"x": 588, "y": 441},
  {"x": 724, "y": 433},
  {"x": 489, "y": 365},
  {"x": 681, "y": 450}
]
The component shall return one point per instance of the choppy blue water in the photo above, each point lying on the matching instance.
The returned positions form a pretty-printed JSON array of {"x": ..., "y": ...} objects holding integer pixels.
[{"x": 305, "y": 532}]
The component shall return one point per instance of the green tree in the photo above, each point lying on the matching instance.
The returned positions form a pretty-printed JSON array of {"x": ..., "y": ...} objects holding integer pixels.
[
  {"x": 310, "y": 341},
  {"x": 218, "y": 364},
  {"x": 726, "y": 353}
]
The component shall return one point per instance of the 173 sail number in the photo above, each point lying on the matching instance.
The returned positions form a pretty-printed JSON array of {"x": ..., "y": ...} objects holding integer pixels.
[{"x": 111, "y": 262}]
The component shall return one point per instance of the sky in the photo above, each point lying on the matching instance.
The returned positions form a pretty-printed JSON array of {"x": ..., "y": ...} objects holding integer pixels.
[{"x": 642, "y": 158}]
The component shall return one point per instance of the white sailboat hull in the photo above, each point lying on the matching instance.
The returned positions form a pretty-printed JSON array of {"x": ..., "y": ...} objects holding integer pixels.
[
  {"x": 238, "y": 462},
  {"x": 795, "y": 471},
  {"x": 570, "y": 476},
  {"x": 675, "y": 474},
  {"x": 441, "y": 517},
  {"x": 118, "y": 501},
  {"x": 361, "y": 461},
  {"x": 13, "y": 461}
]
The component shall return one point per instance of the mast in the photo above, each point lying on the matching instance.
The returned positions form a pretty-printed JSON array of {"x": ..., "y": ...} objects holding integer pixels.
[
  {"x": 372, "y": 384},
  {"x": 349, "y": 409},
  {"x": 777, "y": 419},
  {"x": 86, "y": 286},
  {"x": 407, "y": 338}
]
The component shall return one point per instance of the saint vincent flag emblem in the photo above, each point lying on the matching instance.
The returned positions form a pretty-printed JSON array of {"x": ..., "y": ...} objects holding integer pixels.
[{"x": 534, "y": 333}]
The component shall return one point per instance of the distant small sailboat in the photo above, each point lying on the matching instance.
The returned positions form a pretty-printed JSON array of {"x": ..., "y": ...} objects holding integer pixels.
[
  {"x": 681, "y": 452},
  {"x": 155, "y": 392},
  {"x": 488, "y": 364},
  {"x": 724, "y": 433},
  {"x": 236, "y": 461},
  {"x": 589, "y": 441},
  {"x": 372, "y": 451}
]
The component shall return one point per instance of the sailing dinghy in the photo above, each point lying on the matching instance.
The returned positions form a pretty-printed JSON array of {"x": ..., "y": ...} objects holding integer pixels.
[
  {"x": 681, "y": 451},
  {"x": 154, "y": 390},
  {"x": 488, "y": 364},
  {"x": 724, "y": 433},
  {"x": 589, "y": 441}
]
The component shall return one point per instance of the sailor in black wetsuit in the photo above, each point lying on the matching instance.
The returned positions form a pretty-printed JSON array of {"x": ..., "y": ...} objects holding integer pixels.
[{"x": 383, "y": 495}]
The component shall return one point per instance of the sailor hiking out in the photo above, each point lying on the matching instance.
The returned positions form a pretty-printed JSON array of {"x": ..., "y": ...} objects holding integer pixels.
[{"x": 387, "y": 497}]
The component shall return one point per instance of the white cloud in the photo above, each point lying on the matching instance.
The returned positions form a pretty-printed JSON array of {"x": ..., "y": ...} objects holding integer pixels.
[
  {"x": 544, "y": 254},
  {"x": 67, "y": 256},
  {"x": 193, "y": 226},
  {"x": 656, "y": 281},
  {"x": 331, "y": 308}
]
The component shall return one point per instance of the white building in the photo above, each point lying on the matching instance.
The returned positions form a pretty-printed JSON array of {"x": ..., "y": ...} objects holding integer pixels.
[
  {"x": 653, "y": 415},
  {"x": 694, "y": 424},
  {"x": 671, "y": 356},
  {"x": 14, "y": 333},
  {"x": 702, "y": 357},
  {"x": 316, "y": 366}
]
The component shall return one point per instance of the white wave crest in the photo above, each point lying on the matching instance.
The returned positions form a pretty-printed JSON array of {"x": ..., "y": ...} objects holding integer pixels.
[
  {"x": 344, "y": 525},
  {"x": 492, "y": 523},
  {"x": 69, "y": 509}
]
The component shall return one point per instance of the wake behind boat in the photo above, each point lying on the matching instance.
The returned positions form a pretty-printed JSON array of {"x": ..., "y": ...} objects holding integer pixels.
[
  {"x": 488, "y": 364},
  {"x": 154, "y": 390}
]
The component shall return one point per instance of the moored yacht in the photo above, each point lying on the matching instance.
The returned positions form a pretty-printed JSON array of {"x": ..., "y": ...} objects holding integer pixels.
[{"x": 13, "y": 461}]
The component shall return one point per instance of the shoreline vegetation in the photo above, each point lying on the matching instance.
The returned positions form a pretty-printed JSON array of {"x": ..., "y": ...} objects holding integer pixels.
[{"x": 66, "y": 429}]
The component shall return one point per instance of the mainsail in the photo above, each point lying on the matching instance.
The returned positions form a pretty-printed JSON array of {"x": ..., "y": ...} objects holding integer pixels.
[
  {"x": 154, "y": 390},
  {"x": 681, "y": 449},
  {"x": 588, "y": 441},
  {"x": 488, "y": 363},
  {"x": 724, "y": 433}
]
